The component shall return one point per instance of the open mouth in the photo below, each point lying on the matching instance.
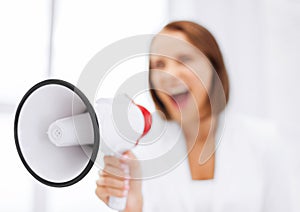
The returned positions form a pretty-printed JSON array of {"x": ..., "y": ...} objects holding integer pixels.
[{"x": 180, "y": 99}]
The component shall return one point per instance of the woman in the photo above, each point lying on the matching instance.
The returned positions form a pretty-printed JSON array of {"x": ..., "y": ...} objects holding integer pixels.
[{"x": 191, "y": 88}]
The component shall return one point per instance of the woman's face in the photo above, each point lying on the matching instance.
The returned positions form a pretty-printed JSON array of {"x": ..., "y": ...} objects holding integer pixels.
[{"x": 181, "y": 76}]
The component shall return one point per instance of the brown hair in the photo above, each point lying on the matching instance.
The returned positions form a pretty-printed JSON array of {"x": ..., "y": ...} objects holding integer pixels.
[{"x": 201, "y": 38}]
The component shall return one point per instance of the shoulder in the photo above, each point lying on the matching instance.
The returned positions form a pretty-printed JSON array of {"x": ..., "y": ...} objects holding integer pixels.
[
  {"x": 259, "y": 136},
  {"x": 256, "y": 136},
  {"x": 258, "y": 131}
]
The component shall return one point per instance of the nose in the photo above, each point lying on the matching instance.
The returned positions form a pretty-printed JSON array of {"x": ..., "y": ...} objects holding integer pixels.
[
  {"x": 174, "y": 68},
  {"x": 173, "y": 73}
]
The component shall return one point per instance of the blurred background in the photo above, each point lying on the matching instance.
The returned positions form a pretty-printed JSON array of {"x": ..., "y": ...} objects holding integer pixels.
[{"x": 42, "y": 39}]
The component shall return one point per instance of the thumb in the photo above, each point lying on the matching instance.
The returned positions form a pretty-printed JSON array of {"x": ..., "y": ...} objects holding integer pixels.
[{"x": 134, "y": 165}]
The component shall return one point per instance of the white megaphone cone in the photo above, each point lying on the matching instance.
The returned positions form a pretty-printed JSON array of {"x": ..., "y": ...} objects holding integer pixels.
[
  {"x": 51, "y": 164},
  {"x": 57, "y": 132},
  {"x": 135, "y": 123}
]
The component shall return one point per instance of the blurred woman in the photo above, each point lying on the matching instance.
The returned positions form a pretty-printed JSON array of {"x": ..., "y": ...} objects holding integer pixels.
[{"x": 189, "y": 85}]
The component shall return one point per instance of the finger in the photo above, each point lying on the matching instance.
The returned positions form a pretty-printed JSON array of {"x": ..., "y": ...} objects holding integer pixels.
[
  {"x": 111, "y": 160},
  {"x": 116, "y": 172},
  {"x": 129, "y": 154},
  {"x": 100, "y": 192},
  {"x": 104, "y": 192},
  {"x": 130, "y": 159},
  {"x": 113, "y": 183},
  {"x": 126, "y": 156},
  {"x": 102, "y": 173},
  {"x": 107, "y": 173}
]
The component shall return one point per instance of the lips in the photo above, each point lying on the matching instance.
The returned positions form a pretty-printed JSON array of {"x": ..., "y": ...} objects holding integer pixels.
[{"x": 180, "y": 99}]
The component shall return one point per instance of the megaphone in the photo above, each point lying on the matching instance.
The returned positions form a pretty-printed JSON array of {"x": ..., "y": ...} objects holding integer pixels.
[{"x": 57, "y": 133}]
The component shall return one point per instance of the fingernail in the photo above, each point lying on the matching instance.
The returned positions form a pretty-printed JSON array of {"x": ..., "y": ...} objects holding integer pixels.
[
  {"x": 125, "y": 192},
  {"x": 124, "y": 157},
  {"x": 98, "y": 182},
  {"x": 125, "y": 168},
  {"x": 126, "y": 186}
]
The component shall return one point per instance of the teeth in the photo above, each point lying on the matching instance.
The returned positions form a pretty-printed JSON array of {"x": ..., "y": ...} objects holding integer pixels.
[{"x": 178, "y": 90}]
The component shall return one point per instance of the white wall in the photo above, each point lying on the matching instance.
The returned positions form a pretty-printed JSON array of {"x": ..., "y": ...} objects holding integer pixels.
[
  {"x": 24, "y": 43},
  {"x": 260, "y": 42}
]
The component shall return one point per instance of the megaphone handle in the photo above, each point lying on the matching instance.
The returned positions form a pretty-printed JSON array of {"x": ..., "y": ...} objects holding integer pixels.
[{"x": 117, "y": 203}]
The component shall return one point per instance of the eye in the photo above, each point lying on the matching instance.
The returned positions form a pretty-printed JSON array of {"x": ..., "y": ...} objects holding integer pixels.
[
  {"x": 158, "y": 64},
  {"x": 184, "y": 58}
]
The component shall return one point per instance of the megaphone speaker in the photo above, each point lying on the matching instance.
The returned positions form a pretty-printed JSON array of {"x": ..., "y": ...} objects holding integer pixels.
[
  {"x": 57, "y": 133},
  {"x": 41, "y": 106}
]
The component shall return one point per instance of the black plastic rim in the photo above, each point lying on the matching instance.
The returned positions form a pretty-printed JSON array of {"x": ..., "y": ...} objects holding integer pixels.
[{"x": 93, "y": 116}]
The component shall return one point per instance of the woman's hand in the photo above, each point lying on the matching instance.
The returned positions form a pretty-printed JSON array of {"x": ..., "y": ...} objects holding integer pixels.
[{"x": 118, "y": 179}]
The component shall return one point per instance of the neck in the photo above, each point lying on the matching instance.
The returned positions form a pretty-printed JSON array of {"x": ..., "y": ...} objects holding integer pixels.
[
  {"x": 199, "y": 130},
  {"x": 200, "y": 145}
]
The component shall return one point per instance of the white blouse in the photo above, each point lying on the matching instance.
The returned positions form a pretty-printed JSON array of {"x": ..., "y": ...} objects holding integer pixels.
[{"x": 249, "y": 171}]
